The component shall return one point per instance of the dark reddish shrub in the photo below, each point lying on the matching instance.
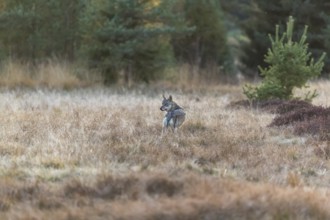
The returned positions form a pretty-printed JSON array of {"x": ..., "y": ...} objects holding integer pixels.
[
  {"x": 163, "y": 186},
  {"x": 292, "y": 105},
  {"x": 305, "y": 117},
  {"x": 323, "y": 151},
  {"x": 320, "y": 125},
  {"x": 300, "y": 115}
]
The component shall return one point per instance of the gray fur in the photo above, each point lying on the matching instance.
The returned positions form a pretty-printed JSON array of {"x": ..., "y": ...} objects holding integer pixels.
[{"x": 175, "y": 115}]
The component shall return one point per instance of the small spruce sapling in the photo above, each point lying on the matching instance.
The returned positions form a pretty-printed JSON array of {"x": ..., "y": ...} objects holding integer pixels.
[{"x": 290, "y": 66}]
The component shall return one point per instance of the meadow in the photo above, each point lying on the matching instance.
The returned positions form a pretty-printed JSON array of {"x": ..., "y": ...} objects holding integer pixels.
[{"x": 91, "y": 152}]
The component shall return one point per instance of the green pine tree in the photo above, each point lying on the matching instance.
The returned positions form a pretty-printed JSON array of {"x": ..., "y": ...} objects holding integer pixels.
[
  {"x": 208, "y": 43},
  {"x": 290, "y": 66},
  {"x": 133, "y": 37},
  {"x": 262, "y": 15},
  {"x": 38, "y": 29}
]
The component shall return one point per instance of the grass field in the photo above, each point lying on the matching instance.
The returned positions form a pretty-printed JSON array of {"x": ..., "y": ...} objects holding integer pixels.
[{"x": 96, "y": 153}]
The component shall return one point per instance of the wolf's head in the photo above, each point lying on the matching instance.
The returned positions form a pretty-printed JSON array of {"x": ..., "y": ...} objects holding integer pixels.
[{"x": 168, "y": 104}]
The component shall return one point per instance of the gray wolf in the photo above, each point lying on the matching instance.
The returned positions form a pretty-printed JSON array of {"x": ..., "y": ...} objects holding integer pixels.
[{"x": 175, "y": 115}]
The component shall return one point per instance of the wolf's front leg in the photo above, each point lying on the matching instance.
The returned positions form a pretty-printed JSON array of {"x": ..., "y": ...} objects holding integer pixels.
[{"x": 164, "y": 126}]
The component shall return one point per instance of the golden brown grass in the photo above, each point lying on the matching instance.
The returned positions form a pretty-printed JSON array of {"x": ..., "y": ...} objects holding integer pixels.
[
  {"x": 49, "y": 74},
  {"x": 96, "y": 153}
]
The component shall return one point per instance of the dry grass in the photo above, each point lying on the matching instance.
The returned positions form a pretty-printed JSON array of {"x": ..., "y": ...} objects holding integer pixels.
[
  {"x": 97, "y": 154},
  {"x": 49, "y": 74}
]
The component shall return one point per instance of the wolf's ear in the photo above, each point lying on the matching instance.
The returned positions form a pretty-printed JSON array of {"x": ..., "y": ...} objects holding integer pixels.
[
  {"x": 164, "y": 96},
  {"x": 170, "y": 98}
]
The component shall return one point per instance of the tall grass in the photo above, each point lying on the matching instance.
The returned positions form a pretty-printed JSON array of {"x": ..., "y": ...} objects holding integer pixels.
[
  {"x": 188, "y": 76},
  {"x": 97, "y": 153},
  {"x": 53, "y": 74},
  {"x": 57, "y": 74},
  {"x": 71, "y": 151}
]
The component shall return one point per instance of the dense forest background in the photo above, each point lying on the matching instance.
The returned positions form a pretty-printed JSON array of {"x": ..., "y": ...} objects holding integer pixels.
[{"x": 144, "y": 40}]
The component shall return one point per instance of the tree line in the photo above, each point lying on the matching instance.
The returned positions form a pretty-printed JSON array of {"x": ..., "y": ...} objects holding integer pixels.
[{"x": 141, "y": 38}]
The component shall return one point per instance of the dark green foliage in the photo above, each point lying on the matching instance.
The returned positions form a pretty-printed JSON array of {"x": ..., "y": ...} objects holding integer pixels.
[
  {"x": 133, "y": 37},
  {"x": 262, "y": 15},
  {"x": 208, "y": 44},
  {"x": 35, "y": 29},
  {"x": 290, "y": 66},
  {"x": 266, "y": 91}
]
